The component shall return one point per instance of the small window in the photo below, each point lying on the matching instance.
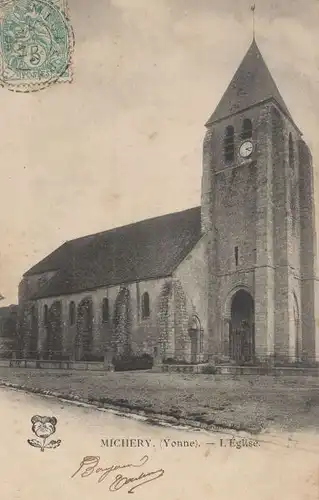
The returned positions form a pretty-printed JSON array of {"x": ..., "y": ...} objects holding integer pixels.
[
  {"x": 201, "y": 341},
  {"x": 145, "y": 305},
  {"x": 72, "y": 313},
  {"x": 105, "y": 310},
  {"x": 247, "y": 129},
  {"x": 236, "y": 256},
  {"x": 291, "y": 151},
  {"x": 45, "y": 315},
  {"x": 229, "y": 144}
]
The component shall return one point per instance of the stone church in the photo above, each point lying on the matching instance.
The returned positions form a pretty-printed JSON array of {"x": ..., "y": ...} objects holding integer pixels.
[{"x": 234, "y": 280}]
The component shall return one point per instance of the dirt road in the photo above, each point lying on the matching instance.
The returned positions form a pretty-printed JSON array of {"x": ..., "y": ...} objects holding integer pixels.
[{"x": 160, "y": 462}]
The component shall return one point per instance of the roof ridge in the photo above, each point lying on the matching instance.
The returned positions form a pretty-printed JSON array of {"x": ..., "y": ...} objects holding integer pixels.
[{"x": 150, "y": 219}]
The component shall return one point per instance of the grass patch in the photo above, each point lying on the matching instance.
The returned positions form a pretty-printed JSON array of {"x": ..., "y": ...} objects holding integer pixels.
[{"x": 241, "y": 403}]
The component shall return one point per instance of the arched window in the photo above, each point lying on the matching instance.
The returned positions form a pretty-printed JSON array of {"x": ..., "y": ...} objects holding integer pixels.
[
  {"x": 291, "y": 151},
  {"x": 229, "y": 144},
  {"x": 45, "y": 315},
  {"x": 72, "y": 313},
  {"x": 33, "y": 346},
  {"x": 247, "y": 131},
  {"x": 145, "y": 305},
  {"x": 105, "y": 310}
]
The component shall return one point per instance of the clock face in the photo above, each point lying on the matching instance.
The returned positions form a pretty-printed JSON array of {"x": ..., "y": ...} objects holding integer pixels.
[{"x": 246, "y": 149}]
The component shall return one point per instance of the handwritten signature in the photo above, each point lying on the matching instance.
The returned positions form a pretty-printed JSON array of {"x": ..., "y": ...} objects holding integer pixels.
[{"x": 89, "y": 465}]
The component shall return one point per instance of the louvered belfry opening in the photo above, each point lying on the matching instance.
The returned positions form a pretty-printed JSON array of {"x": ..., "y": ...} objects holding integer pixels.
[
  {"x": 247, "y": 131},
  {"x": 229, "y": 143}
]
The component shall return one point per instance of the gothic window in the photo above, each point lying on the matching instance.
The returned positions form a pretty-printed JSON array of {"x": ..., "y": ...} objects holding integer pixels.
[
  {"x": 201, "y": 341},
  {"x": 45, "y": 315},
  {"x": 291, "y": 151},
  {"x": 33, "y": 346},
  {"x": 247, "y": 131},
  {"x": 236, "y": 256},
  {"x": 72, "y": 313},
  {"x": 229, "y": 143},
  {"x": 105, "y": 310},
  {"x": 145, "y": 305}
]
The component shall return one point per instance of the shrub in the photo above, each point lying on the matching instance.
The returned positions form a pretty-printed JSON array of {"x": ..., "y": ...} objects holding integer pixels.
[
  {"x": 6, "y": 355},
  {"x": 209, "y": 369},
  {"x": 132, "y": 362}
]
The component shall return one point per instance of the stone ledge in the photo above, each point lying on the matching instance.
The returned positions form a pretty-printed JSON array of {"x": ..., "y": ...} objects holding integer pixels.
[{"x": 181, "y": 368}]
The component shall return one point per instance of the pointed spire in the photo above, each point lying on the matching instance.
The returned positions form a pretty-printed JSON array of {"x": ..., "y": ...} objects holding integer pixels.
[{"x": 251, "y": 84}]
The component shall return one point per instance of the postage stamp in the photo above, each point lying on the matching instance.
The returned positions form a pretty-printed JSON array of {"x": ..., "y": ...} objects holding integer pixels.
[{"x": 36, "y": 44}]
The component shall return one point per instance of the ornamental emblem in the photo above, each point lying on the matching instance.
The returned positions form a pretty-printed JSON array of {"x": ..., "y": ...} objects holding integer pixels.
[{"x": 43, "y": 428}]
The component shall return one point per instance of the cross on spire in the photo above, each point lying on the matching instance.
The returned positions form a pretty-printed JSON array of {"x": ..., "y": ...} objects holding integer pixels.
[{"x": 253, "y": 8}]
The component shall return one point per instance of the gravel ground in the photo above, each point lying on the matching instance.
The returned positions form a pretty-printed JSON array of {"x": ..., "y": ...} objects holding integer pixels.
[{"x": 251, "y": 403}]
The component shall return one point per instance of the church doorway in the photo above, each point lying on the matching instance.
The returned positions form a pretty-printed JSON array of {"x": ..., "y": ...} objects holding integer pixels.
[
  {"x": 84, "y": 335},
  {"x": 241, "y": 334},
  {"x": 54, "y": 331},
  {"x": 194, "y": 334}
]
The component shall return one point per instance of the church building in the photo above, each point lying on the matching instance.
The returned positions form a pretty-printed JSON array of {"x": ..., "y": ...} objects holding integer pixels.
[{"x": 234, "y": 280}]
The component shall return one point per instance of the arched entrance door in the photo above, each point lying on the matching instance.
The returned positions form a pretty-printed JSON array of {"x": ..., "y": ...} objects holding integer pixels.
[
  {"x": 242, "y": 335},
  {"x": 194, "y": 334},
  {"x": 84, "y": 335}
]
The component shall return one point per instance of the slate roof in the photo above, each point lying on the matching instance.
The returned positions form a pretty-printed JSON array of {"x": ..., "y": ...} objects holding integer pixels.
[
  {"x": 152, "y": 248},
  {"x": 251, "y": 84}
]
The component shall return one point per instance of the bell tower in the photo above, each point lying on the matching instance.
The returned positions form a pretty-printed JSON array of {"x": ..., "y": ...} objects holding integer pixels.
[{"x": 258, "y": 210}]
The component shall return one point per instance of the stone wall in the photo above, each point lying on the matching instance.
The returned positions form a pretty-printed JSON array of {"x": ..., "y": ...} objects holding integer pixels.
[
  {"x": 251, "y": 213},
  {"x": 125, "y": 330},
  {"x": 190, "y": 295},
  {"x": 308, "y": 258},
  {"x": 163, "y": 332}
]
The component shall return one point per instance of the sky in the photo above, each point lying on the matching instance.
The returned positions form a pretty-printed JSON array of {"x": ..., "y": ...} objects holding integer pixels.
[{"x": 123, "y": 141}]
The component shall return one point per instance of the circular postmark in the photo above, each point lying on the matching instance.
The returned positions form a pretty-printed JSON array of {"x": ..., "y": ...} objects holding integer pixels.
[{"x": 36, "y": 44}]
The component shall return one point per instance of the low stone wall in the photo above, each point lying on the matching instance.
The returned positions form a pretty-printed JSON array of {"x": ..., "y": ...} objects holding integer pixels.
[
  {"x": 61, "y": 365},
  {"x": 233, "y": 370},
  {"x": 266, "y": 370},
  {"x": 205, "y": 368},
  {"x": 180, "y": 368}
]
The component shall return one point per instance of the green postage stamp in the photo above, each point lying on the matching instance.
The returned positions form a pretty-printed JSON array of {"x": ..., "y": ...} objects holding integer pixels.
[{"x": 36, "y": 44}]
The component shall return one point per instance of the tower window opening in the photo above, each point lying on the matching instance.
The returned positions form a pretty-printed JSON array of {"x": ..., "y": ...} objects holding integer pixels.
[
  {"x": 105, "y": 310},
  {"x": 145, "y": 306},
  {"x": 45, "y": 315},
  {"x": 247, "y": 131},
  {"x": 236, "y": 256},
  {"x": 229, "y": 143},
  {"x": 72, "y": 313}
]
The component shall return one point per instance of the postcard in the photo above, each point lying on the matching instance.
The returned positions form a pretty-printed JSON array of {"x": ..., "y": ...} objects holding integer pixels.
[{"x": 159, "y": 314}]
